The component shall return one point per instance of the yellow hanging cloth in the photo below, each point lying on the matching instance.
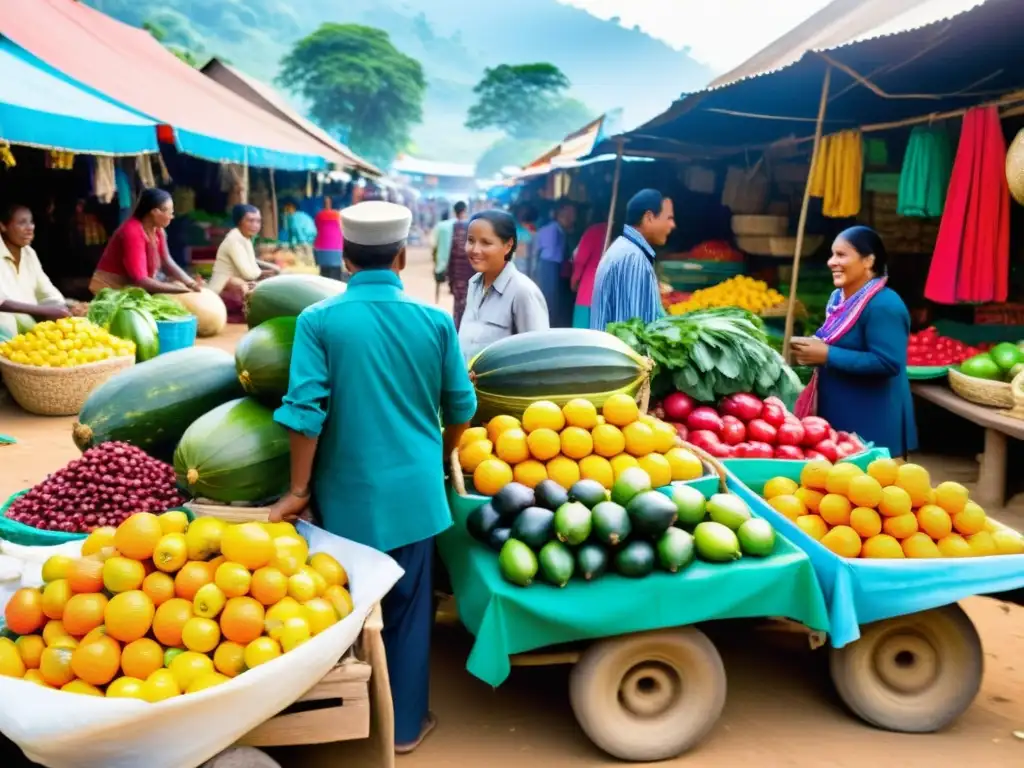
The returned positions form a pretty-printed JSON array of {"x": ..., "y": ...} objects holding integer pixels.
[{"x": 837, "y": 174}]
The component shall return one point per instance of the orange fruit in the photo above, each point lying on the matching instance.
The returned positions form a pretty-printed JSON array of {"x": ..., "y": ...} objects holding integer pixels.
[
  {"x": 579, "y": 412},
  {"x": 55, "y": 596},
  {"x": 608, "y": 440},
  {"x": 229, "y": 659},
  {"x": 159, "y": 586},
  {"x": 810, "y": 498},
  {"x": 98, "y": 662},
  {"x": 895, "y": 502},
  {"x": 56, "y": 567},
  {"x": 84, "y": 613},
  {"x": 242, "y": 619},
  {"x": 159, "y": 686},
  {"x": 30, "y": 648},
  {"x": 189, "y": 665},
  {"x": 169, "y": 620},
  {"x": 564, "y": 471},
  {"x": 142, "y": 658},
  {"x": 598, "y": 469},
  {"x": 86, "y": 575},
  {"x": 954, "y": 545},
  {"x": 839, "y": 477},
  {"x": 138, "y": 536},
  {"x": 864, "y": 491},
  {"x": 787, "y": 505},
  {"x": 866, "y": 522},
  {"x": 544, "y": 444},
  {"x": 970, "y": 520},
  {"x": 499, "y": 424},
  {"x": 639, "y": 439},
  {"x": 209, "y": 680},
  {"x": 576, "y": 442},
  {"x": 171, "y": 552},
  {"x": 121, "y": 574},
  {"x": 328, "y": 567},
  {"x": 620, "y": 409},
  {"x": 233, "y": 579},
  {"x": 248, "y": 544},
  {"x": 813, "y": 526},
  {"x": 665, "y": 436},
  {"x": 100, "y": 538},
  {"x": 341, "y": 599},
  {"x": 952, "y": 497},
  {"x": 53, "y": 631},
  {"x": 191, "y": 577},
  {"x": 208, "y": 602},
  {"x": 779, "y": 486},
  {"x": 916, "y": 481},
  {"x": 685, "y": 465},
  {"x": 260, "y": 651},
  {"x": 11, "y": 663},
  {"x": 471, "y": 455},
  {"x": 835, "y": 509},
  {"x": 882, "y": 546},
  {"x": 203, "y": 537},
  {"x": 901, "y": 526},
  {"x": 919, "y": 545},
  {"x": 268, "y": 585},
  {"x": 934, "y": 521},
  {"x": 81, "y": 687},
  {"x": 814, "y": 475},
  {"x": 55, "y": 666},
  {"x": 201, "y": 635},
  {"x": 529, "y": 473},
  {"x": 491, "y": 476},
  {"x": 657, "y": 466},
  {"x": 67, "y": 641},
  {"x": 542, "y": 414},
  {"x": 96, "y": 634},
  {"x": 33, "y": 676},
  {"x": 472, "y": 435},
  {"x": 511, "y": 446},
  {"x": 129, "y": 616},
  {"x": 173, "y": 521},
  {"x": 982, "y": 544},
  {"x": 842, "y": 540},
  {"x": 320, "y": 614},
  {"x": 884, "y": 471},
  {"x": 125, "y": 688}
]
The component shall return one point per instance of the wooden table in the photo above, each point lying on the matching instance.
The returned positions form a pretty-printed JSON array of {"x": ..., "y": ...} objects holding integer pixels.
[{"x": 991, "y": 488}]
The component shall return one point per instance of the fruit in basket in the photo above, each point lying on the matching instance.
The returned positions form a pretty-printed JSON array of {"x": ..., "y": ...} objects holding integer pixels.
[
  {"x": 928, "y": 348},
  {"x": 534, "y": 526},
  {"x": 573, "y": 523},
  {"x": 65, "y": 343},
  {"x": 481, "y": 521},
  {"x": 263, "y": 358},
  {"x": 982, "y": 366},
  {"x": 756, "y": 537},
  {"x": 24, "y": 612},
  {"x": 729, "y": 510},
  {"x": 739, "y": 291},
  {"x": 611, "y": 524},
  {"x": 287, "y": 296}
]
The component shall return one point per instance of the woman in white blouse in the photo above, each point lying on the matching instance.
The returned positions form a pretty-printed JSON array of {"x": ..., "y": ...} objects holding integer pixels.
[
  {"x": 26, "y": 293},
  {"x": 237, "y": 268}
]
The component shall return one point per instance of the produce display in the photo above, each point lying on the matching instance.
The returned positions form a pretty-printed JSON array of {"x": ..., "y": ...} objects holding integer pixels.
[
  {"x": 104, "y": 487},
  {"x": 166, "y": 395},
  {"x": 208, "y": 307},
  {"x": 740, "y": 291},
  {"x": 287, "y": 296},
  {"x": 573, "y": 443},
  {"x": 558, "y": 365},
  {"x": 158, "y": 607},
  {"x": 65, "y": 343},
  {"x": 890, "y": 511},
  {"x": 586, "y": 531},
  {"x": 711, "y": 353},
  {"x": 1001, "y": 363},
  {"x": 131, "y": 313},
  {"x": 263, "y": 357},
  {"x": 743, "y": 426},
  {"x": 715, "y": 250},
  {"x": 928, "y": 349}
]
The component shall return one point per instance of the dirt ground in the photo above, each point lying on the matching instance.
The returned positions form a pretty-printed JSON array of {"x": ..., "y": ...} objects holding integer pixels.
[{"x": 781, "y": 710}]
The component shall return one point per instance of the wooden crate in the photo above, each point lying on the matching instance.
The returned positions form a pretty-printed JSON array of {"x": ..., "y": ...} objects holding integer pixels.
[{"x": 228, "y": 513}]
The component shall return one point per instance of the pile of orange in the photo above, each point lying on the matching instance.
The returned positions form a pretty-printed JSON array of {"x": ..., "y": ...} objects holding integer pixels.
[
  {"x": 890, "y": 511},
  {"x": 572, "y": 443},
  {"x": 159, "y": 607}
]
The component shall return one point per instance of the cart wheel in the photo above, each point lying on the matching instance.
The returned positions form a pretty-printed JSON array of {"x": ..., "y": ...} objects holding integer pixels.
[
  {"x": 913, "y": 674},
  {"x": 649, "y": 696}
]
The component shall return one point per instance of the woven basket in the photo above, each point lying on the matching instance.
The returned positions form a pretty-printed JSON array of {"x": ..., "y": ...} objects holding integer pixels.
[
  {"x": 58, "y": 391},
  {"x": 1017, "y": 393},
  {"x": 994, "y": 394}
]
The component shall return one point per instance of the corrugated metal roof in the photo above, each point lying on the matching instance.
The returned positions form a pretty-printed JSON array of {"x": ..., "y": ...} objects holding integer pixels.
[{"x": 575, "y": 145}]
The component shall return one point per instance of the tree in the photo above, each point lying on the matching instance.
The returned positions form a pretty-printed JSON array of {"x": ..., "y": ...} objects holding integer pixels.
[
  {"x": 356, "y": 80},
  {"x": 160, "y": 35},
  {"x": 526, "y": 101}
]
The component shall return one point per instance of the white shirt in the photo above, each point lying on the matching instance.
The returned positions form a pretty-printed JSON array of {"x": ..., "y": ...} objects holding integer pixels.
[
  {"x": 236, "y": 258},
  {"x": 513, "y": 304},
  {"x": 25, "y": 283}
]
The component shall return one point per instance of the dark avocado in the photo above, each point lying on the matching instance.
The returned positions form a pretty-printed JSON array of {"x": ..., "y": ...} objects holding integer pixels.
[
  {"x": 651, "y": 514},
  {"x": 591, "y": 561},
  {"x": 511, "y": 500},
  {"x": 481, "y": 521},
  {"x": 535, "y": 527},
  {"x": 589, "y": 493},
  {"x": 550, "y": 495},
  {"x": 611, "y": 523},
  {"x": 676, "y": 550},
  {"x": 635, "y": 560},
  {"x": 498, "y": 538},
  {"x": 556, "y": 563}
]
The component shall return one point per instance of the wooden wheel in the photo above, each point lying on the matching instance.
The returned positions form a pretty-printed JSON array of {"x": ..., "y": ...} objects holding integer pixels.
[
  {"x": 649, "y": 696},
  {"x": 913, "y": 674}
]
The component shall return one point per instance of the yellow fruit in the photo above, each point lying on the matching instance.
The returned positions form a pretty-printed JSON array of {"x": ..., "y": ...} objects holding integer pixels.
[
  {"x": 620, "y": 409},
  {"x": 268, "y": 586},
  {"x": 657, "y": 466},
  {"x": 1007, "y": 543},
  {"x": 895, "y": 502},
  {"x": 543, "y": 414},
  {"x": 970, "y": 520},
  {"x": 864, "y": 491},
  {"x": 639, "y": 439},
  {"x": 835, "y": 509},
  {"x": 320, "y": 614},
  {"x": 318, "y": 581},
  {"x": 491, "y": 476},
  {"x": 596, "y": 468},
  {"x": 55, "y": 596},
  {"x": 842, "y": 540},
  {"x": 935, "y": 521},
  {"x": 341, "y": 599},
  {"x": 332, "y": 571},
  {"x": 122, "y": 575},
  {"x": 203, "y": 537},
  {"x": 814, "y": 475},
  {"x": 126, "y": 688},
  {"x": 952, "y": 497},
  {"x": 171, "y": 552},
  {"x": 866, "y": 522},
  {"x": 279, "y": 613},
  {"x": 580, "y": 413},
  {"x": 884, "y": 471},
  {"x": 811, "y": 499},
  {"x": 919, "y": 546},
  {"x": 915, "y": 480},
  {"x": 209, "y": 601},
  {"x": 901, "y": 526},
  {"x": 982, "y": 544},
  {"x": 142, "y": 658},
  {"x": 529, "y": 473},
  {"x": 129, "y": 616},
  {"x": 499, "y": 424},
  {"x": 511, "y": 446},
  {"x": 260, "y": 651},
  {"x": 200, "y": 634},
  {"x": 35, "y": 677},
  {"x": 55, "y": 666},
  {"x": 189, "y": 665},
  {"x": 471, "y": 455},
  {"x": 159, "y": 686},
  {"x": 290, "y": 554},
  {"x": 564, "y": 471},
  {"x": 954, "y": 545},
  {"x": 472, "y": 435},
  {"x": 56, "y": 567},
  {"x": 294, "y": 633},
  {"x": 243, "y": 620},
  {"x": 11, "y": 663},
  {"x": 544, "y": 444},
  {"x": 81, "y": 687},
  {"x": 813, "y": 526},
  {"x": 209, "y": 680},
  {"x": 97, "y": 662},
  {"x": 685, "y": 465},
  {"x": 232, "y": 579},
  {"x": 779, "y": 486},
  {"x": 100, "y": 538},
  {"x": 882, "y": 547},
  {"x": 788, "y": 505},
  {"x": 608, "y": 440},
  {"x": 248, "y": 544},
  {"x": 665, "y": 436},
  {"x": 839, "y": 477},
  {"x": 53, "y": 631},
  {"x": 576, "y": 442},
  {"x": 137, "y": 537},
  {"x": 30, "y": 648},
  {"x": 229, "y": 659},
  {"x": 621, "y": 463},
  {"x": 301, "y": 586},
  {"x": 173, "y": 521}
]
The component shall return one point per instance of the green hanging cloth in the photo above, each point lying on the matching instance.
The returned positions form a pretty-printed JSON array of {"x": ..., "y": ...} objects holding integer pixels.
[{"x": 924, "y": 177}]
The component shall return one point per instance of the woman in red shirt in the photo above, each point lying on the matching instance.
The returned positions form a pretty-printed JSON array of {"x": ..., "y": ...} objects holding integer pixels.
[{"x": 137, "y": 254}]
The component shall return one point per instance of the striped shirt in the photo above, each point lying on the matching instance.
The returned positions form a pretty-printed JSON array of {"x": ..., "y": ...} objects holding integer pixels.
[{"x": 626, "y": 285}]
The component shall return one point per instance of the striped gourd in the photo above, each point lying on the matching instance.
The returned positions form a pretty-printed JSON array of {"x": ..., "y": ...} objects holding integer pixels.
[{"x": 555, "y": 365}]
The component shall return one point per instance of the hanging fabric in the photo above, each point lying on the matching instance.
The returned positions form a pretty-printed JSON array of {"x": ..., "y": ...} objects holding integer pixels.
[
  {"x": 145, "y": 171},
  {"x": 837, "y": 174},
  {"x": 165, "y": 175},
  {"x": 104, "y": 181},
  {"x": 745, "y": 191},
  {"x": 971, "y": 262},
  {"x": 924, "y": 177}
]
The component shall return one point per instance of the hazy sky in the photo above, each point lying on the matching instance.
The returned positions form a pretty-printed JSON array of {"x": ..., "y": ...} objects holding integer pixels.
[{"x": 721, "y": 33}]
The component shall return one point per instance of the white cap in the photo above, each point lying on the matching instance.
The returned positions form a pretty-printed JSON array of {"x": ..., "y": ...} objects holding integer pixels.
[{"x": 376, "y": 222}]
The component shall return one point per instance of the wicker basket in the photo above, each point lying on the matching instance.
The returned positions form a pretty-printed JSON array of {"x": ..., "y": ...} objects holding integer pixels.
[
  {"x": 58, "y": 391},
  {"x": 994, "y": 394},
  {"x": 759, "y": 226},
  {"x": 1017, "y": 394}
]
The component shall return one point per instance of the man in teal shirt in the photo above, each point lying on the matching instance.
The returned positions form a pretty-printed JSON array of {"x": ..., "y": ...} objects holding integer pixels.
[{"x": 371, "y": 369}]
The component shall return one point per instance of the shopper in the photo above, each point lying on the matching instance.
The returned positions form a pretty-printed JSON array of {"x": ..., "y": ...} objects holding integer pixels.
[
  {"x": 458, "y": 267},
  {"x": 551, "y": 265},
  {"x": 584, "y": 268},
  {"x": 329, "y": 243},
  {"x": 24, "y": 287},
  {"x": 371, "y": 369}
]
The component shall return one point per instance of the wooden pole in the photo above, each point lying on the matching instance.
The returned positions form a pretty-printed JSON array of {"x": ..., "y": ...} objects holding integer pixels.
[
  {"x": 273, "y": 204},
  {"x": 615, "y": 196},
  {"x": 802, "y": 225}
]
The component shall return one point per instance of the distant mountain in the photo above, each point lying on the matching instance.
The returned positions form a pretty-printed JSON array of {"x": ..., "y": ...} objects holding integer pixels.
[{"x": 609, "y": 66}]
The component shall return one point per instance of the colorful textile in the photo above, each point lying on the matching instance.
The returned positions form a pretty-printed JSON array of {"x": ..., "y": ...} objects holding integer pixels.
[
  {"x": 837, "y": 174},
  {"x": 131, "y": 253},
  {"x": 585, "y": 263},
  {"x": 580, "y": 316},
  {"x": 328, "y": 231},
  {"x": 924, "y": 177},
  {"x": 626, "y": 285}
]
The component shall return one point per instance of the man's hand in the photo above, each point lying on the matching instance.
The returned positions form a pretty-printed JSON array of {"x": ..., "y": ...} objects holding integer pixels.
[{"x": 288, "y": 508}]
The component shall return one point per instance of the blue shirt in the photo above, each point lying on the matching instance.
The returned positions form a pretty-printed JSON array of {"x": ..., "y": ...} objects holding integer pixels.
[
  {"x": 371, "y": 369},
  {"x": 299, "y": 229},
  {"x": 549, "y": 243},
  {"x": 626, "y": 285}
]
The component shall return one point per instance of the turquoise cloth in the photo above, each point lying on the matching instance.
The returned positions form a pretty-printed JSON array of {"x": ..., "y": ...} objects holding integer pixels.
[
  {"x": 298, "y": 229},
  {"x": 581, "y": 316},
  {"x": 924, "y": 177},
  {"x": 370, "y": 371}
]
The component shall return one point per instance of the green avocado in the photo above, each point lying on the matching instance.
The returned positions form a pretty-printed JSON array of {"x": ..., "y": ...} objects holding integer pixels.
[
  {"x": 729, "y": 510},
  {"x": 550, "y": 495},
  {"x": 632, "y": 481},
  {"x": 981, "y": 367},
  {"x": 1006, "y": 355},
  {"x": 517, "y": 563},
  {"x": 556, "y": 563},
  {"x": 651, "y": 514},
  {"x": 591, "y": 561},
  {"x": 716, "y": 543},
  {"x": 635, "y": 560},
  {"x": 589, "y": 493},
  {"x": 690, "y": 505},
  {"x": 757, "y": 537},
  {"x": 675, "y": 550},
  {"x": 611, "y": 523},
  {"x": 535, "y": 527},
  {"x": 481, "y": 521},
  {"x": 573, "y": 523}
]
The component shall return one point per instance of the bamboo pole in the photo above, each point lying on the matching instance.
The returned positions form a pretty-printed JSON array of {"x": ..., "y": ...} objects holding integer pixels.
[
  {"x": 273, "y": 204},
  {"x": 615, "y": 196},
  {"x": 802, "y": 225}
]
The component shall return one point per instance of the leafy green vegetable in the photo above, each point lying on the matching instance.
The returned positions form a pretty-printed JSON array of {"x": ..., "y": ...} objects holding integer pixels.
[{"x": 110, "y": 301}]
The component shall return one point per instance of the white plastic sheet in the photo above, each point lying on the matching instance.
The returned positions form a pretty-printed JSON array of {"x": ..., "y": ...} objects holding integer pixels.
[{"x": 63, "y": 730}]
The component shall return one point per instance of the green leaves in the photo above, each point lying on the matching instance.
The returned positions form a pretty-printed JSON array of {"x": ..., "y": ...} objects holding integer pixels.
[{"x": 109, "y": 302}]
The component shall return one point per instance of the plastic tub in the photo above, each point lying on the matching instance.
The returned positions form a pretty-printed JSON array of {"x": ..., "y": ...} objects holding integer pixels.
[{"x": 177, "y": 334}]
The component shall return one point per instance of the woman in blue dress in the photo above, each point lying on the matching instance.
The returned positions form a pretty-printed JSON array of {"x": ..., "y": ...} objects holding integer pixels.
[{"x": 860, "y": 352}]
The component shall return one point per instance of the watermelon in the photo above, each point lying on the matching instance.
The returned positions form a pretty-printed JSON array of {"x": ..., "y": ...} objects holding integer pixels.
[
  {"x": 150, "y": 405},
  {"x": 558, "y": 365},
  {"x": 263, "y": 357},
  {"x": 287, "y": 296},
  {"x": 235, "y": 453},
  {"x": 139, "y": 326}
]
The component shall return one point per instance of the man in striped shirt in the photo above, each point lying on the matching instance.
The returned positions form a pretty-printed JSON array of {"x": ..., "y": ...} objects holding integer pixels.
[{"x": 626, "y": 285}]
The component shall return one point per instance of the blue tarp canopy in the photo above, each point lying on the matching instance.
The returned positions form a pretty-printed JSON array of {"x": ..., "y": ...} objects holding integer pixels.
[
  {"x": 42, "y": 108},
  {"x": 960, "y": 62}
]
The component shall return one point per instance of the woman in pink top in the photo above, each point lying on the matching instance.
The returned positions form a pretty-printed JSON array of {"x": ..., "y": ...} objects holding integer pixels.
[
  {"x": 584, "y": 267},
  {"x": 329, "y": 242}
]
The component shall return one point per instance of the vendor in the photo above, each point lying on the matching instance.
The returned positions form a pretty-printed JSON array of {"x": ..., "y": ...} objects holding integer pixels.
[
  {"x": 861, "y": 383},
  {"x": 24, "y": 287},
  {"x": 236, "y": 269},
  {"x": 500, "y": 300},
  {"x": 137, "y": 252}
]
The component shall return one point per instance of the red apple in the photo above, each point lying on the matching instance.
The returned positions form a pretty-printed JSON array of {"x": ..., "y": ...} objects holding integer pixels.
[
  {"x": 815, "y": 430},
  {"x": 703, "y": 438},
  {"x": 678, "y": 406},
  {"x": 705, "y": 418},
  {"x": 759, "y": 450},
  {"x": 789, "y": 452},
  {"x": 774, "y": 414},
  {"x": 812, "y": 455},
  {"x": 733, "y": 430},
  {"x": 790, "y": 433},
  {"x": 761, "y": 431},
  {"x": 743, "y": 406},
  {"x": 828, "y": 449}
]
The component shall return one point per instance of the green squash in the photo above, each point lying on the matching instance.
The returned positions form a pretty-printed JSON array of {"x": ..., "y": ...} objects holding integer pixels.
[
  {"x": 263, "y": 357},
  {"x": 287, "y": 296}
]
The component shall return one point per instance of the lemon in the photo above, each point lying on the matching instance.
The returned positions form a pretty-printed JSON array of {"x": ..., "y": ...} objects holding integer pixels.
[
  {"x": 543, "y": 414},
  {"x": 597, "y": 468},
  {"x": 608, "y": 440},
  {"x": 189, "y": 665},
  {"x": 544, "y": 444},
  {"x": 499, "y": 424},
  {"x": 563, "y": 471},
  {"x": 665, "y": 436},
  {"x": 657, "y": 466},
  {"x": 203, "y": 537},
  {"x": 580, "y": 413},
  {"x": 620, "y": 409},
  {"x": 621, "y": 463},
  {"x": 294, "y": 633},
  {"x": 471, "y": 455},
  {"x": 208, "y": 680},
  {"x": 639, "y": 439},
  {"x": 208, "y": 601},
  {"x": 471, "y": 435},
  {"x": 684, "y": 464},
  {"x": 529, "y": 473},
  {"x": 260, "y": 651},
  {"x": 576, "y": 442},
  {"x": 491, "y": 476},
  {"x": 511, "y": 446}
]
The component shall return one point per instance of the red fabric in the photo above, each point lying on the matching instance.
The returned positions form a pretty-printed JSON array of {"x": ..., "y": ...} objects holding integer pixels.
[
  {"x": 971, "y": 262},
  {"x": 131, "y": 254},
  {"x": 128, "y": 65},
  {"x": 584, "y": 266}
]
